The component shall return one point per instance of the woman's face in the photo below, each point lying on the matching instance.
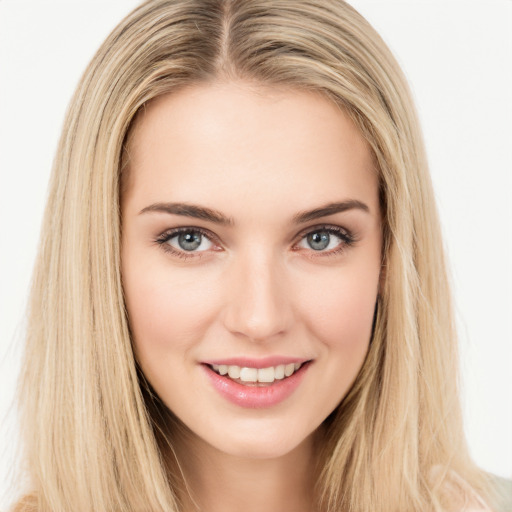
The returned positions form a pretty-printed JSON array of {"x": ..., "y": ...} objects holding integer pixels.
[{"x": 252, "y": 246}]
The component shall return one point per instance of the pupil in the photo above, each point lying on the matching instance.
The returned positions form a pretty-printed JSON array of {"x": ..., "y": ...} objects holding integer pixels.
[
  {"x": 319, "y": 240},
  {"x": 189, "y": 241}
]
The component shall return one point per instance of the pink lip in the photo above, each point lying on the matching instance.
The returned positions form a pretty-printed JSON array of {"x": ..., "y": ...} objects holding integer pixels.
[
  {"x": 264, "y": 362},
  {"x": 255, "y": 397}
]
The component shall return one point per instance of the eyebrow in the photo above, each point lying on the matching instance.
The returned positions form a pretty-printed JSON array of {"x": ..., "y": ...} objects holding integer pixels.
[
  {"x": 189, "y": 210},
  {"x": 330, "y": 209},
  {"x": 201, "y": 212}
]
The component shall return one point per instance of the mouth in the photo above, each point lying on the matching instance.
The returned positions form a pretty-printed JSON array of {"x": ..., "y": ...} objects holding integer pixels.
[
  {"x": 257, "y": 385},
  {"x": 261, "y": 377}
]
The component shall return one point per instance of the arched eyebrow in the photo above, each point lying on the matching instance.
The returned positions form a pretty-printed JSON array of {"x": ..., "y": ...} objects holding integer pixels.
[
  {"x": 189, "y": 210},
  {"x": 201, "y": 212},
  {"x": 330, "y": 209}
]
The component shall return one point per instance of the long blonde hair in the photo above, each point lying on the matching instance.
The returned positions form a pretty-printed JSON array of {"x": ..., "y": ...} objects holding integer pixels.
[{"x": 92, "y": 431}]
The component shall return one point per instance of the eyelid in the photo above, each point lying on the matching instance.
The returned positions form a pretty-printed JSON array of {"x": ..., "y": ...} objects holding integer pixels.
[
  {"x": 169, "y": 233},
  {"x": 166, "y": 235},
  {"x": 333, "y": 228},
  {"x": 347, "y": 238}
]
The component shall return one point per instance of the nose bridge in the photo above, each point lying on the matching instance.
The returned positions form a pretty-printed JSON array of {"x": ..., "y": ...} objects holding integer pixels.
[{"x": 257, "y": 305}]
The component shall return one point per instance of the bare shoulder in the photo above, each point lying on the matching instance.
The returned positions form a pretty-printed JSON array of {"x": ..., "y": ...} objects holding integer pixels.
[
  {"x": 503, "y": 492},
  {"x": 26, "y": 504},
  {"x": 491, "y": 494}
]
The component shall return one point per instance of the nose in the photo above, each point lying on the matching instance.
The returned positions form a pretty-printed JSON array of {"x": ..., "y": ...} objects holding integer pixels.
[{"x": 258, "y": 303}]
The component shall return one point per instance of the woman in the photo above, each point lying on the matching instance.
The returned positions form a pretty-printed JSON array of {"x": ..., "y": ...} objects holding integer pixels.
[{"x": 240, "y": 297}]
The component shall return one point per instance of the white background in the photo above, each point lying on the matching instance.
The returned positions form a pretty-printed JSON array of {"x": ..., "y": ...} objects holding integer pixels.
[{"x": 458, "y": 57}]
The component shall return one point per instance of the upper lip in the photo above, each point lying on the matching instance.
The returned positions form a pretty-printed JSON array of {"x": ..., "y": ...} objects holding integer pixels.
[{"x": 263, "y": 362}]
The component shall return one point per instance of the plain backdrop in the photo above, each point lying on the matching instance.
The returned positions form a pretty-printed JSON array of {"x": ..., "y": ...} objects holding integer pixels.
[{"x": 457, "y": 56}]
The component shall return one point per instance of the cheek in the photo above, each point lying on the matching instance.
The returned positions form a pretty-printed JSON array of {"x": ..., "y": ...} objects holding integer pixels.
[
  {"x": 168, "y": 311},
  {"x": 340, "y": 313}
]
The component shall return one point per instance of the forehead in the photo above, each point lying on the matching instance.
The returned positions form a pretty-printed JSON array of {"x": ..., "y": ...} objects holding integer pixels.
[{"x": 217, "y": 143}]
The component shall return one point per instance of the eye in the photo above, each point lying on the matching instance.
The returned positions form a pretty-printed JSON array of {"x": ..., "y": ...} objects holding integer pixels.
[
  {"x": 190, "y": 241},
  {"x": 185, "y": 242},
  {"x": 326, "y": 239}
]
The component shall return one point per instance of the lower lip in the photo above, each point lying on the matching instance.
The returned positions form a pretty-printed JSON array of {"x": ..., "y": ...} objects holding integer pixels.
[{"x": 256, "y": 397}]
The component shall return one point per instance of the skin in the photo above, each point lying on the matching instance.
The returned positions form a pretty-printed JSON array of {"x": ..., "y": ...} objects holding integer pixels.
[{"x": 259, "y": 156}]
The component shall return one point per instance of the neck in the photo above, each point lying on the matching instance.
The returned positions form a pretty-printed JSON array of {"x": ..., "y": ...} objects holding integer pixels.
[{"x": 217, "y": 481}]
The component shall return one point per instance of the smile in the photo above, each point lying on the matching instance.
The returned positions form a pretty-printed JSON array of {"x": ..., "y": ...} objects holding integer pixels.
[
  {"x": 247, "y": 375},
  {"x": 265, "y": 386}
]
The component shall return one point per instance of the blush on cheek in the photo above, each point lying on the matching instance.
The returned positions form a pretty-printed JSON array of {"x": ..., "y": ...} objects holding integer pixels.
[
  {"x": 342, "y": 314},
  {"x": 167, "y": 315}
]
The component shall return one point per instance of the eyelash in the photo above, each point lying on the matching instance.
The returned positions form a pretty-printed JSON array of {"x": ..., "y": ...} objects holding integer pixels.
[
  {"x": 347, "y": 240},
  {"x": 171, "y": 233},
  {"x": 346, "y": 237}
]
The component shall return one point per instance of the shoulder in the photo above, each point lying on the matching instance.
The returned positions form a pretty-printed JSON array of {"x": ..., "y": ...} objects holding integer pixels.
[
  {"x": 503, "y": 492},
  {"x": 28, "y": 503},
  {"x": 499, "y": 492},
  {"x": 457, "y": 494}
]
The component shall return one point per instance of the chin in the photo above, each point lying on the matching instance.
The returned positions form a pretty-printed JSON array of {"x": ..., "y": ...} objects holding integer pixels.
[{"x": 260, "y": 440}]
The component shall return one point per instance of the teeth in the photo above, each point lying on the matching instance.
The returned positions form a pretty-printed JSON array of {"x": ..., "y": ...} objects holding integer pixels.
[
  {"x": 289, "y": 369},
  {"x": 279, "y": 372},
  {"x": 266, "y": 375},
  {"x": 234, "y": 372},
  {"x": 248, "y": 374}
]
